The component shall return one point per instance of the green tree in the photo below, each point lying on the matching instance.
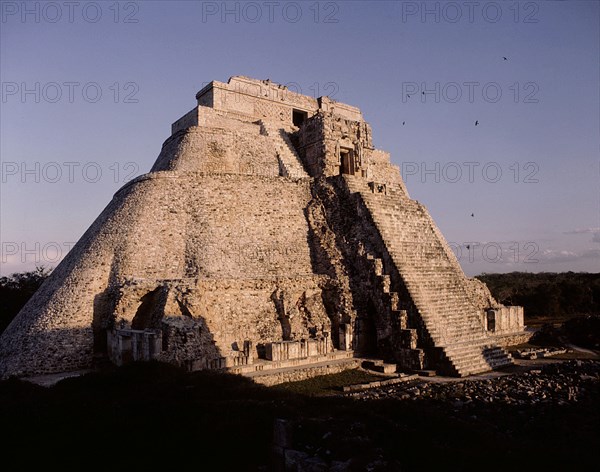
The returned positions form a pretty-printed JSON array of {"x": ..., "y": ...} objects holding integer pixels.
[{"x": 16, "y": 290}]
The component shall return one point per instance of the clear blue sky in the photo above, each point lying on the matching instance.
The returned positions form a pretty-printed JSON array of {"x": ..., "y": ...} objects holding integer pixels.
[{"x": 529, "y": 172}]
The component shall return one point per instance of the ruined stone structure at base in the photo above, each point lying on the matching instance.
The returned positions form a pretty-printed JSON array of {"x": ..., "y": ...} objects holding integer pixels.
[{"x": 269, "y": 234}]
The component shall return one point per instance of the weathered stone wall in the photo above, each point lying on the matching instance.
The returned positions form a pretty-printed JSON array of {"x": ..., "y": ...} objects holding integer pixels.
[
  {"x": 204, "y": 116},
  {"x": 311, "y": 146},
  {"x": 186, "y": 121},
  {"x": 257, "y": 99},
  {"x": 222, "y": 151},
  {"x": 381, "y": 170},
  {"x": 128, "y": 345},
  {"x": 295, "y": 375},
  {"x": 261, "y": 310},
  {"x": 205, "y": 97},
  {"x": 324, "y": 137},
  {"x": 266, "y": 100},
  {"x": 341, "y": 110},
  {"x": 505, "y": 320}
]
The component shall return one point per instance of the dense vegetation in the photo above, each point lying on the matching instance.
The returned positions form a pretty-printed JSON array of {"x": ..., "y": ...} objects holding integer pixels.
[
  {"x": 562, "y": 295},
  {"x": 15, "y": 290},
  {"x": 583, "y": 331}
]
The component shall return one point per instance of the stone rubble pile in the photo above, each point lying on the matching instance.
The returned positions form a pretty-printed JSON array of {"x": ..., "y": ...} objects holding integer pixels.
[
  {"x": 554, "y": 384},
  {"x": 523, "y": 399},
  {"x": 532, "y": 353}
]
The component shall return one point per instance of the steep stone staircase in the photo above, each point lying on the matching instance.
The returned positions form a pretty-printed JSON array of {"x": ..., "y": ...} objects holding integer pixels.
[
  {"x": 434, "y": 279},
  {"x": 289, "y": 161}
]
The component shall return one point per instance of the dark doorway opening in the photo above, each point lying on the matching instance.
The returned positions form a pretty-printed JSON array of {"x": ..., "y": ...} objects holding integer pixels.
[
  {"x": 365, "y": 332},
  {"x": 147, "y": 311},
  {"x": 103, "y": 308},
  {"x": 491, "y": 320},
  {"x": 127, "y": 350},
  {"x": 299, "y": 117},
  {"x": 346, "y": 161}
]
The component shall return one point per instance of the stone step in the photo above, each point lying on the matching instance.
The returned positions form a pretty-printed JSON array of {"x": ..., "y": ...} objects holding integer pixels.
[
  {"x": 450, "y": 313},
  {"x": 450, "y": 326},
  {"x": 476, "y": 356},
  {"x": 480, "y": 364},
  {"x": 386, "y": 368},
  {"x": 378, "y": 365},
  {"x": 449, "y": 319},
  {"x": 478, "y": 369},
  {"x": 483, "y": 343},
  {"x": 471, "y": 363},
  {"x": 289, "y": 158},
  {"x": 456, "y": 335},
  {"x": 446, "y": 339}
]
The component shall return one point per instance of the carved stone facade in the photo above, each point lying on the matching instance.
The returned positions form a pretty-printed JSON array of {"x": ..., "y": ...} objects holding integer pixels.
[{"x": 269, "y": 234}]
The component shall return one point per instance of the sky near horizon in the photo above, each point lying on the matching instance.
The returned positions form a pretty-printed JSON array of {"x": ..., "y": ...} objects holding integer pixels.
[{"x": 90, "y": 89}]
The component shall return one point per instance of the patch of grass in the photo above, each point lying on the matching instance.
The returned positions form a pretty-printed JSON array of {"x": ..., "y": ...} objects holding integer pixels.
[{"x": 330, "y": 384}]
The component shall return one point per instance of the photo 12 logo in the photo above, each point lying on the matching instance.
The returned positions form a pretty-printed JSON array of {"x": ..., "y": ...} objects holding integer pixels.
[
  {"x": 69, "y": 12},
  {"x": 470, "y": 91},
  {"x": 470, "y": 12},
  {"x": 40, "y": 253},
  {"x": 70, "y": 92},
  {"x": 288, "y": 91},
  {"x": 270, "y": 12},
  {"x": 511, "y": 252},
  {"x": 470, "y": 172},
  {"x": 67, "y": 172}
]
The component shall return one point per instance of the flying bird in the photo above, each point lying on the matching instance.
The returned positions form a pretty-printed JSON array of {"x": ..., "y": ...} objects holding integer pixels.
[
  {"x": 403, "y": 123},
  {"x": 472, "y": 215},
  {"x": 476, "y": 122},
  {"x": 468, "y": 247},
  {"x": 505, "y": 58},
  {"x": 408, "y": 95}
]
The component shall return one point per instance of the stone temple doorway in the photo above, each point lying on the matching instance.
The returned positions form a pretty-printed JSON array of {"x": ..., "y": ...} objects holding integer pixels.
[
  {"x": 299, "y": 117},
  {"x": 347, "y": 161}
]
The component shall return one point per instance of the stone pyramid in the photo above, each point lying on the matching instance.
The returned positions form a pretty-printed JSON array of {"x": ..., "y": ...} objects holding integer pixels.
[{"x": 269, "y": 234}]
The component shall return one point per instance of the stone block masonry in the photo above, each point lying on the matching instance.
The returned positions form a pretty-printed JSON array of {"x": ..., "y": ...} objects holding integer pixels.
[{"x": 269, "y": 234}]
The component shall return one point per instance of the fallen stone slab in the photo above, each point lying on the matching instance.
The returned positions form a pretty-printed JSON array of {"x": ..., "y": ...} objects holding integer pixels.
[
  {"x": 380, "y": 383},
  {"x": 386, "y": 368},
  {"x": 426, "y": 373}
]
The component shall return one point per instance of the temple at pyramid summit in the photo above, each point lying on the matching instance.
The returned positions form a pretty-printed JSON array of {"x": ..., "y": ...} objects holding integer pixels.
[{"x": 270, "y": 239}]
